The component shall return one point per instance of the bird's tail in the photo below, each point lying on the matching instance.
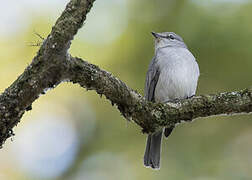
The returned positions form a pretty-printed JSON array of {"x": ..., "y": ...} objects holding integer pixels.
[{"x": 153, "y": 150}]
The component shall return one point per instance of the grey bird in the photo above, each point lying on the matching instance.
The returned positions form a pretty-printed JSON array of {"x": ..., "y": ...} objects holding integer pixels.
[{"x": 172, "y": 74}]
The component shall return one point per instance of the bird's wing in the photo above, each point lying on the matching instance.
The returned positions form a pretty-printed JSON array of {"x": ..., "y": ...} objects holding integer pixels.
[{"x": 151, "y": 80}]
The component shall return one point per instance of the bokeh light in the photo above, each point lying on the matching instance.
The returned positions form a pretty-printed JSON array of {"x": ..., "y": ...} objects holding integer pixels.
[
  {"x": 47, "y": 146},
  {"x": 71, "y": 133}
]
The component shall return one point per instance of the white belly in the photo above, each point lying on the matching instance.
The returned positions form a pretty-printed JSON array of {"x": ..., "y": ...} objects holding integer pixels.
[{"x": 178, "y": 78}]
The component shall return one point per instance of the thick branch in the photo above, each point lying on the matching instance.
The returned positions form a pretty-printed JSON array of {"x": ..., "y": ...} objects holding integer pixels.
[
  {"x": 52, "y": 65},
  {"x": 45, "y": 71},
  {"x": 151, "y": 116}
]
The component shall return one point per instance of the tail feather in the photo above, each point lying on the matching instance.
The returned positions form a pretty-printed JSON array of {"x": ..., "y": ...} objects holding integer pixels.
[{"x": 153, "y": 150}]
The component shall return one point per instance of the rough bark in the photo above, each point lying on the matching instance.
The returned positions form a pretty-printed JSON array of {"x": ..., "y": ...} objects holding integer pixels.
[
  {"x": 152, "y": 116},
  {"x": 53, "y": 65}
]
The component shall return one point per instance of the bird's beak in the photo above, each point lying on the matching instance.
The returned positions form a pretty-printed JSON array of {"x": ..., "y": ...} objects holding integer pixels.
[{"x": 156, "y": 35}]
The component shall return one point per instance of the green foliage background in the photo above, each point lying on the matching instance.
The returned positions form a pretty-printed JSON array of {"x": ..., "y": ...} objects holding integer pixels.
[{"x": 220, "y": 36}]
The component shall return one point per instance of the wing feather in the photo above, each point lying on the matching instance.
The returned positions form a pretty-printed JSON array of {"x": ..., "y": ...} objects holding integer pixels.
[{"x": 152, "y": 77}]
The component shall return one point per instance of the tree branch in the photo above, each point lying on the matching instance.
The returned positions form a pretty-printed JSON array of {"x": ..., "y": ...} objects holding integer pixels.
[
  {"x": 152, "y": 116},
  {"x": 46, "y": 69},
  {"x": 53, "y": 65}
]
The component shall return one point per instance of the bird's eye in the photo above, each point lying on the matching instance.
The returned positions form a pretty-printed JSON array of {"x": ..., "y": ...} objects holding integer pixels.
[{"x": 171, "y": 37}]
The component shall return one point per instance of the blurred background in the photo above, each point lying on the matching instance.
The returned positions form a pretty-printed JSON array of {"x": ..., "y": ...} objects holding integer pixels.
[{"x": 72, "y": 134}]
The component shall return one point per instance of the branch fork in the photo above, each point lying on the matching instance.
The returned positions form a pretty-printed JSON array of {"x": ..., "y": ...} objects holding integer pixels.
[{"x": 53, "y": 65}]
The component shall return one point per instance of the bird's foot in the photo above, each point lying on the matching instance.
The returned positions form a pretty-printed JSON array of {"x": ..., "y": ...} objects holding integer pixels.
[
  {"x": 172, "y": 100},
  {"x": 190, "y": 96}
]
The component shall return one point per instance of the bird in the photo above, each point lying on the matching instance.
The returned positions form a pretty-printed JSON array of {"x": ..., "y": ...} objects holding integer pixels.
[{"x": 172, "y": 74}]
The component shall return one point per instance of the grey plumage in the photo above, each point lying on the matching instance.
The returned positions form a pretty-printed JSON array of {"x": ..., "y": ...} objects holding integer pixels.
[{"x": 172, "y": 74}]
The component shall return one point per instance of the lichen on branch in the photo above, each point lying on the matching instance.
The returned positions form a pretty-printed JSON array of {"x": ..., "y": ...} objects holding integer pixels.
[{"x": 53, "y": 65}]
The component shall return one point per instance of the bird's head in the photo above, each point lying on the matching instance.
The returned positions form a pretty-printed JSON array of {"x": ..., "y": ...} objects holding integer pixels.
[{"x": 167, "y": 39}]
